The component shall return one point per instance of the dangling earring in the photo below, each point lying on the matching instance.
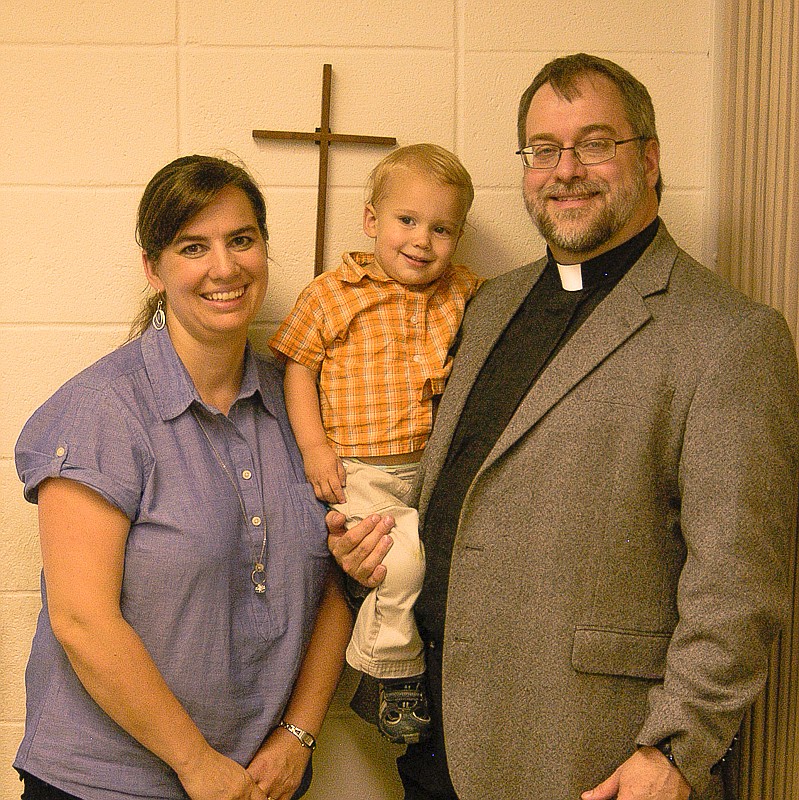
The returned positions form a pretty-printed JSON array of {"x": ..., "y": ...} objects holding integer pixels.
[{"x": 159, "y": 318}]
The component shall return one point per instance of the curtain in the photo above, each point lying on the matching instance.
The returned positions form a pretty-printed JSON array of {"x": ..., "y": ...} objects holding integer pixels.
[{"x": 759, "y": 253}]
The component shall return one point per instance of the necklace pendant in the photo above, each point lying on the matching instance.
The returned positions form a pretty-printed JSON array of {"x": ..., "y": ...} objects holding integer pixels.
[{"x": 258, "y": 578}]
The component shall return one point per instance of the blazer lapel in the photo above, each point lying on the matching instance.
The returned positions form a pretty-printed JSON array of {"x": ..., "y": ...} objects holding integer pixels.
[
  {"x": 615, "y": 319},
  {"x": 485, "y": 328},
  {"x": 484, "y": 331}
]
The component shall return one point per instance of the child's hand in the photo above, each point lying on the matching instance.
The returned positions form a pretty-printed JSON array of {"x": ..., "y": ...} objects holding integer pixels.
[{"x": 325, "y": 471}]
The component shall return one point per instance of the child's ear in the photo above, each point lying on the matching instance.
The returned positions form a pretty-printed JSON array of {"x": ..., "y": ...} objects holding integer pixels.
[{"x": 370, "y": 221}]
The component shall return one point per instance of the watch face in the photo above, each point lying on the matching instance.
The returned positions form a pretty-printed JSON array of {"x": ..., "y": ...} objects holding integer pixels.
[{"x": 305, "y": 738}]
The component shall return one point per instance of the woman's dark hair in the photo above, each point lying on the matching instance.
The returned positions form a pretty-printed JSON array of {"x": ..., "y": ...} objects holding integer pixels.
[{"x": 176, "y": 194}]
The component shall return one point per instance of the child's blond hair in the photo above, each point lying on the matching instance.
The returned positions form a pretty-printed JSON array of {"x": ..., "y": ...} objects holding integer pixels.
[{"x": 429, "y": 159}]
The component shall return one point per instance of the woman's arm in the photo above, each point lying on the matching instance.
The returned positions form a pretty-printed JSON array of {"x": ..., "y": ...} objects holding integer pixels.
[
  {"x": 83, "y": 541},
  {"x": 280, "y": 763},
  {"x": 323, "y": 467}
]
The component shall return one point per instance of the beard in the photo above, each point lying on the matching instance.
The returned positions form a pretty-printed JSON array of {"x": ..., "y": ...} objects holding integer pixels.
[{"x": 583, "y": 230}]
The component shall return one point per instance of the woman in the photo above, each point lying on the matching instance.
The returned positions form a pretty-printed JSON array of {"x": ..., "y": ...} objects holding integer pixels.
[{"x": 192, "y": 630}]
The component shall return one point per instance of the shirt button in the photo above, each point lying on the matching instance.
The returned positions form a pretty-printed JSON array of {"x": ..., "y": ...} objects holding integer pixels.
[
  {"x": 246, "y": 474},
  {"x": 417, "y": 358},
  {"x": 60, "y": 451},
  {"x": 256, "y": 521},
  {"x": 414, "y": 319}
]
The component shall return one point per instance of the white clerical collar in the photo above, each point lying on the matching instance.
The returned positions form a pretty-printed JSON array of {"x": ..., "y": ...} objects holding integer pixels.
[{"x": 571, "y": 276}]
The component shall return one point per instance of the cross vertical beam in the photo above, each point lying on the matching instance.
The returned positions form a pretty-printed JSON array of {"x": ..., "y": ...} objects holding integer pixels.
[
  {"x": 324, "y": 151},
  {"x": 324, "y": 137}
]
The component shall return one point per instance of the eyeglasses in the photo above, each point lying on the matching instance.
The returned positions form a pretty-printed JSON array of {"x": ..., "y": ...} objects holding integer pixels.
[{"x": 588, "y": 152}]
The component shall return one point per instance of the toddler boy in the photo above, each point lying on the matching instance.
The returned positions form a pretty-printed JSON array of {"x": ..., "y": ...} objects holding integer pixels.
[{"x": 366, "y": 349}]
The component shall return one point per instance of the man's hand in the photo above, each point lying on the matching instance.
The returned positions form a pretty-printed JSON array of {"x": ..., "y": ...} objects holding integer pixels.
[
  {"x": 645, "y": 775},
  {"x": 360, "y": 550}
]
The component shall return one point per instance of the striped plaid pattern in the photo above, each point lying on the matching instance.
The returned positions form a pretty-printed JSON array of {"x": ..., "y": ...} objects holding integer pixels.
[{"x": 380, "y": 350}]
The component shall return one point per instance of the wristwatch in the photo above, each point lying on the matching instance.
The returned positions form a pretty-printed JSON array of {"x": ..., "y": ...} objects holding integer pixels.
[
  {"x": 305, "y": 738},
  {"x": 665, "y": 747}
]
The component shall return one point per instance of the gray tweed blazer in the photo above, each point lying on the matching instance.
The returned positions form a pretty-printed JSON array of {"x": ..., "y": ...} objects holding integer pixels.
[{"x": 620, "y": 566}]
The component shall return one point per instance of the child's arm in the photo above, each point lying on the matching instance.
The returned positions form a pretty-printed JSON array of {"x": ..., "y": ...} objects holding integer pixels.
[{"x": 323, "y": 467}]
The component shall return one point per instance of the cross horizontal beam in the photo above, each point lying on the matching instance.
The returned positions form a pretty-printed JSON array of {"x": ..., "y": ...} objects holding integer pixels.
[
  {"x": 331, "y": 137},
  {"x": 324, "y": 138}
]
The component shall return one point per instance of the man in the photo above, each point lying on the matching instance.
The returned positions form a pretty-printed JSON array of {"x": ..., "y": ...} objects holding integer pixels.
[{"x": 609, "y": 491}]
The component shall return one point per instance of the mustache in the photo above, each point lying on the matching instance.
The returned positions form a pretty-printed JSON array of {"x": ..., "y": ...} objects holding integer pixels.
[{"x": 574, "y": 189}]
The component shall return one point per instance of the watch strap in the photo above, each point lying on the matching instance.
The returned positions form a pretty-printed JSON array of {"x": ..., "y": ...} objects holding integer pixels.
[
  {"x": 305, "y": 739},
  {"x": 665, "y": 747}
]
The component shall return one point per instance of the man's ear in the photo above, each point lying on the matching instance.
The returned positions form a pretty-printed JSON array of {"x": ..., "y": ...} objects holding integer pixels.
[
  {"x": 370, "y": 221},
  {"x": 150, "y": 273},
  {"x": 652, "y": 161}
]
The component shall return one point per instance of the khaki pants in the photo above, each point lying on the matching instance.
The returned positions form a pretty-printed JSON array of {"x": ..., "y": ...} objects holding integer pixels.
[{"x": 385, "y": 642}]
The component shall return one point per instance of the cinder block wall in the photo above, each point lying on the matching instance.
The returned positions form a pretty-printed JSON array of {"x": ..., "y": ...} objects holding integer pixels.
[{"x": 95, "y": 97}]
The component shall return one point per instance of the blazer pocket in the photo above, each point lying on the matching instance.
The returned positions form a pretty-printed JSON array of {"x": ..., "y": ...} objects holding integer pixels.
[{"x": 607, "y": 651}]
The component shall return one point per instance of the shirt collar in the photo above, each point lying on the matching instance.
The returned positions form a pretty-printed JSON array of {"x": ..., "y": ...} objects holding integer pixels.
[
  {"x": 357, "y": 265},
  {"x": 571, "y": 276},
  {"x": 172, "y": 386}
]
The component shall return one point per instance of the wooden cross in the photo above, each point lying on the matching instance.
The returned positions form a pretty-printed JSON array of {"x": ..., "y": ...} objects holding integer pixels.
[{"x": 323, "y": 137}]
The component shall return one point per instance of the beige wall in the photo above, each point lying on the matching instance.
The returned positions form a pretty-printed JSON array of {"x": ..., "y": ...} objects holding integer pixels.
[{"x": 96, "y": 96}]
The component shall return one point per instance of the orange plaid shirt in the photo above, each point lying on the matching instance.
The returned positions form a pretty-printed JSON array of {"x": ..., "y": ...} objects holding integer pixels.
[{"x": 381, "y": 351}]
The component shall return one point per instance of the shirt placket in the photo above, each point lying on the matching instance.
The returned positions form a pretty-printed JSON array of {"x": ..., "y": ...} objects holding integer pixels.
[
  {"x": 417, "y": 310},
  {"x": 247, "y": 476}
]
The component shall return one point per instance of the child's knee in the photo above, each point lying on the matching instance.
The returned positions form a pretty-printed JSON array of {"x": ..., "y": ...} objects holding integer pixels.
[{"x": 405, "y": 564}]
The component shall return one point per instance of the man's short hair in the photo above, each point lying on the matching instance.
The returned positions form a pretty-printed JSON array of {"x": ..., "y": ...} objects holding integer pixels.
[{"x": 563, "y": 75}]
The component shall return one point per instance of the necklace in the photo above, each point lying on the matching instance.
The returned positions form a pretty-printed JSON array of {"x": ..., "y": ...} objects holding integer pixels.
[{"x": 258, "y": 575}]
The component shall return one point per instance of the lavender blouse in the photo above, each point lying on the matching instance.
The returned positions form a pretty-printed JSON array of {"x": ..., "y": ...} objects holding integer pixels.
[{"x": 125, "y": 428}]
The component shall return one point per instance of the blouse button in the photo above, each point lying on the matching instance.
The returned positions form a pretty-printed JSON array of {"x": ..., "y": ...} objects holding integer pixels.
[
  {"x": 246, "y": 474},
  {"x": 256, "y": 521}
]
